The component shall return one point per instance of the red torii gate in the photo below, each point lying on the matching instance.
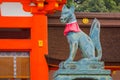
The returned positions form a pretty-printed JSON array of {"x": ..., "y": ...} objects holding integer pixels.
[{"x": 37, "y": 45}]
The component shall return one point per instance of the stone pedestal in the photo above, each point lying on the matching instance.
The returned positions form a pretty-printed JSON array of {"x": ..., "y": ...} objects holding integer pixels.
[
  {"x": 63, "y": 74},
  {"x": 83, "y": 70}
]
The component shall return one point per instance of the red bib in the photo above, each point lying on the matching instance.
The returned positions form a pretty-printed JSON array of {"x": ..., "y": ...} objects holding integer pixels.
[{"x": 71, "y": 27}]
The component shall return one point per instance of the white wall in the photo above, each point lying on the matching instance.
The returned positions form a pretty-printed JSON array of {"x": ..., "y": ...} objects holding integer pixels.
[{"x": 13, "y": 9}]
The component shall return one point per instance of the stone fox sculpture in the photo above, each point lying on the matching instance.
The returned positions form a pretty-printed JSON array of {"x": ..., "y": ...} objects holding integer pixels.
[{"x": 78, "y": 39}]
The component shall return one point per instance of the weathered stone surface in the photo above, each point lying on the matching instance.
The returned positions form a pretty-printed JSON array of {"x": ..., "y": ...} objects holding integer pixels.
[
  {"x": 82, "y": 70},
  {"x": 89, "y": 67},
  {"x": 82, "y": 65},
  {"x": 79, "y": 74}
]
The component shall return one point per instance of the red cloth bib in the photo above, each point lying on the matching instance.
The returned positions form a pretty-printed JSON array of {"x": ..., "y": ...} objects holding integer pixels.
[{"x": 71, "y": 27}]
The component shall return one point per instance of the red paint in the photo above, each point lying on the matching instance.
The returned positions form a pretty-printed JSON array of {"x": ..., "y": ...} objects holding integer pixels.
[
  {"x": 38, "y": 26},
  {"x": 71, "y": 27}
]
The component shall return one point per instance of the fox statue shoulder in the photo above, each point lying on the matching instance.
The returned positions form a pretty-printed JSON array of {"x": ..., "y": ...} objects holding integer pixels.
[{"x": 89, "y": 45}]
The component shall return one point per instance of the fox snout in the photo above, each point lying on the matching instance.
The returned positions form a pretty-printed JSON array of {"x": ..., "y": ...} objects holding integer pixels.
[{"x": 62, "y": 19}]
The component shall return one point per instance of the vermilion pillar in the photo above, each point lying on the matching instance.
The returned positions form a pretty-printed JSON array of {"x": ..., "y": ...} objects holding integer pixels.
[
  {"x": 38, "y": 65},
  {"x": 37, "y": 45}
]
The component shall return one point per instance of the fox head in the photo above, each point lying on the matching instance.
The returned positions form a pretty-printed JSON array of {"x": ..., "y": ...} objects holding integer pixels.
[{"x": 67, "y": 14}]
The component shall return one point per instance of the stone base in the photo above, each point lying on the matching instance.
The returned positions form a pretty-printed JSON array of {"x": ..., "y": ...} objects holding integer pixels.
[
  {"x": 82, "y": 65},
  {"x": 63, "y": 74},
  {"x": 82, "y": 70}
]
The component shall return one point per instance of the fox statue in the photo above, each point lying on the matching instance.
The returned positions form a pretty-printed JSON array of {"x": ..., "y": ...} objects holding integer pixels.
[{"x": 90, "y": 46}]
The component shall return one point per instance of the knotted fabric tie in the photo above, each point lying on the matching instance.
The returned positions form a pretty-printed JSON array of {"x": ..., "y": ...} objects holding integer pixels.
[{"x": 71, "y": 27}]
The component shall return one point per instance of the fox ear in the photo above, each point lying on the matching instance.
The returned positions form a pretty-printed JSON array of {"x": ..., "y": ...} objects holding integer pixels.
[
  {"x": 64, "y": 7},
  {"x": 72, "y": 8}
]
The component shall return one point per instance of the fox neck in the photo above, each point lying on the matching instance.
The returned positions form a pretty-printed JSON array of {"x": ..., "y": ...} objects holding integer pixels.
[{"x": 72, "y": 19}]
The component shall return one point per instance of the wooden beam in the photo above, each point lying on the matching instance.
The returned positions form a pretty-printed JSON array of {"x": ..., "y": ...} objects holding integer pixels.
[
  {"x": 15, "y": 44},
  {"x": 13, "y": 76},
  {"x": 15, "y": 22},
  {"x": 106, "y": 19},
  {"x": 112, "y": 67}
]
